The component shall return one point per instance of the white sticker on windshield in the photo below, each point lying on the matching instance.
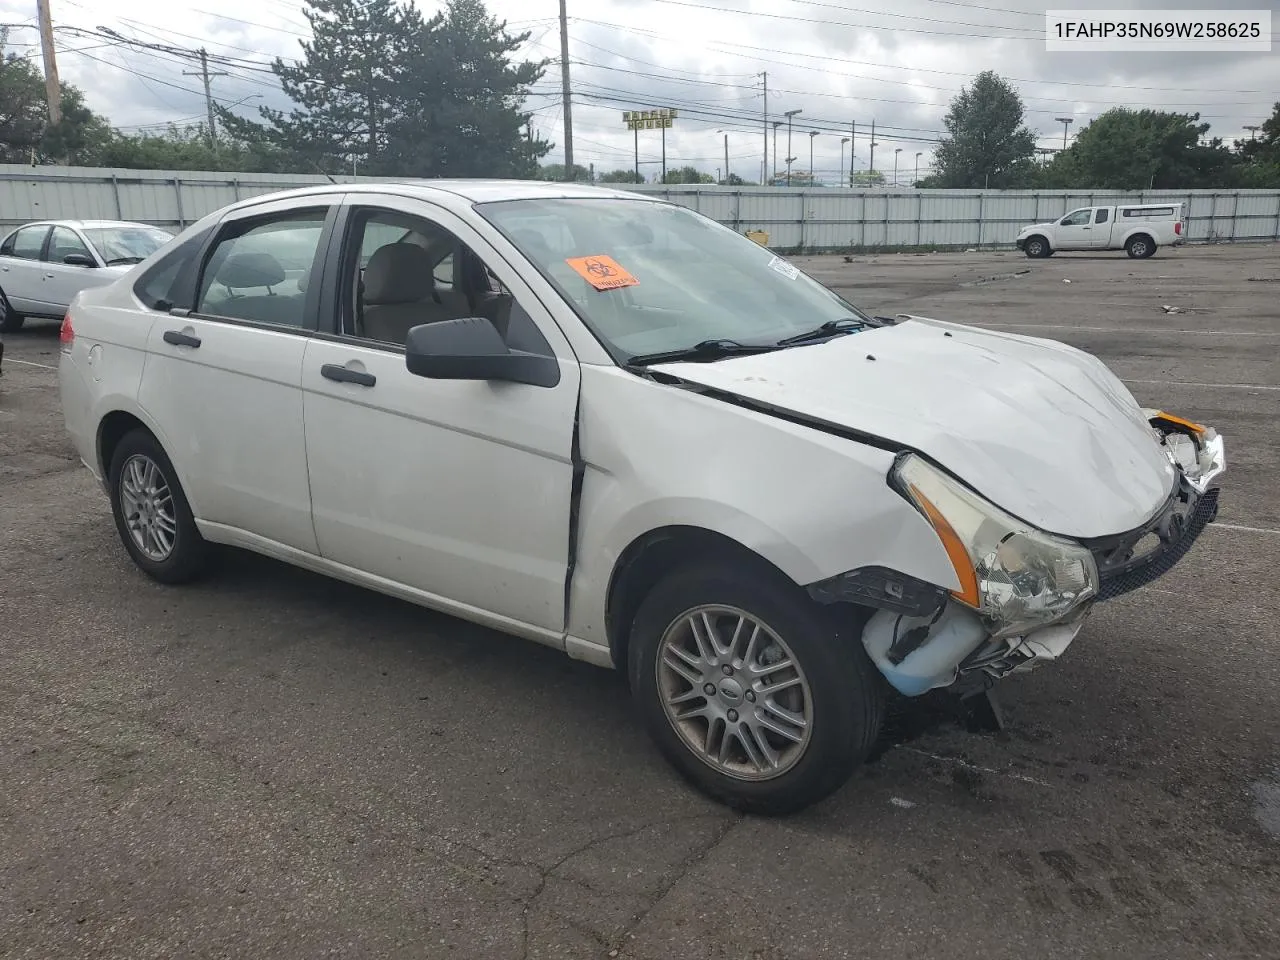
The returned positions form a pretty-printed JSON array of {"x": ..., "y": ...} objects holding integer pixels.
[{"x": 784, "y": 268}]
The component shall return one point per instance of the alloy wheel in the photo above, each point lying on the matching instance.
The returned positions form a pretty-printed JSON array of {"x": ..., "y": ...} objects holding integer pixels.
[
  {"x": 734, "y": 692},
  {"x": 147, "y": 505}
]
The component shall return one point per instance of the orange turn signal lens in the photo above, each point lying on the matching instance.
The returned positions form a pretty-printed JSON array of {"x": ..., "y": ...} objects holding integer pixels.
[
  {"x": 1193, "y": 427},
  {"x": 957, "y": 552}
]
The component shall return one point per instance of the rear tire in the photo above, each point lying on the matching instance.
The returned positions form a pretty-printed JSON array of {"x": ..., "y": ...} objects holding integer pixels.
[
  {"x": 152, "y": 515},
  {"x": 832, "y": 690},
  {"x": 1140, "y": 247},
  {"x": 1037, "y": 247},
  {"x": 10, "y": 320}
]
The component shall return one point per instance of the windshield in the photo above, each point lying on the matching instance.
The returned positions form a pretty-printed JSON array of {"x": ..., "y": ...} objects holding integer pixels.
[
  {"x": 127, "y": 244},
  {"x": 652, "y": 277}
]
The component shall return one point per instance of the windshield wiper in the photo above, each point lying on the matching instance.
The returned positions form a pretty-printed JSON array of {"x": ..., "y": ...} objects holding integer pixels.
[
  {"x": 118, "y": 260},
  {"x": 704, "y": 350},
  {"x": 829, "y": 329}
]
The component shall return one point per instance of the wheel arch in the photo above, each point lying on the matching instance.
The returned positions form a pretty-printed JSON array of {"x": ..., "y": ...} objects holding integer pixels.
[
  {"x": 114, "y": 425},
  {"x": 650, "y": 556}
]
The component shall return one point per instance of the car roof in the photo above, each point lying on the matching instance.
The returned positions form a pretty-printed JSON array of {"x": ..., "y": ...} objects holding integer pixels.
[
  {"x": 455, "y": 193},
  {"x": 86, "y": 224}
]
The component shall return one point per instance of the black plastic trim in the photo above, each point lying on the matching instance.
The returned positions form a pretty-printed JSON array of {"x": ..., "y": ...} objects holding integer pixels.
[{"x": 882, "y": 588}]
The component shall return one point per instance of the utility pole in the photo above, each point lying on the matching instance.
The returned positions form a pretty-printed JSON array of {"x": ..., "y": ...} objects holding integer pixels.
[
  {"x": 726, "y": 159},
  {"x": 204, "y": 74},
  {"x": 664, "y": 154},
  {"x": 564, "y": 94},
  {"x": 773, "y": 170},
  {"x": 853, "y": 148},
  {"x": 1066, "y": 123},
  {"x": 873, "y": 151},
  {"x": 637, "y": 133},
  {"x": 790, "y": 158},
  {"x": 52, "y": 88},
  {"x": 1253, "y": 129},
  {"x": 764, "y": 164}
]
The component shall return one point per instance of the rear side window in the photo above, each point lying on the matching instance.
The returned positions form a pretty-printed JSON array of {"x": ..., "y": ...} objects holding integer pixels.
[
  {"x": 167, "y": 283},
  {"x": 1103, "y": 215},
  {"x": 259, "y": 269},
  {"x": 1147, "y": 212},
  {"x": 27, "y": 243}
]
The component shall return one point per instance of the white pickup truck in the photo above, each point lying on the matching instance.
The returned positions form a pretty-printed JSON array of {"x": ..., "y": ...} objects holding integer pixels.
[{"x": 1138, "y": 229}]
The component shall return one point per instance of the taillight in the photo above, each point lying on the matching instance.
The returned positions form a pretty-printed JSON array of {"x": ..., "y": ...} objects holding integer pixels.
[
  {"x": 67, "y": 335},
  {"x": 1177, "y": 227}
]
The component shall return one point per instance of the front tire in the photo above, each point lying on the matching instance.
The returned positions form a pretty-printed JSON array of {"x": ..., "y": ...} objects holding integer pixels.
[
  {"x": 1036, "y": 247},
  {"x": 751, "y": 690},
  {"x": 152, "y": 515}
]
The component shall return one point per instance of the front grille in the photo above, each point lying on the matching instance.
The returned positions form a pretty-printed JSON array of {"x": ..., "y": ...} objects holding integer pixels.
[{"x": 1176, "y": 531}]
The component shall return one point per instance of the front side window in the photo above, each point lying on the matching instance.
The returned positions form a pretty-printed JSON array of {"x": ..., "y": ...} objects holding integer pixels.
[
  {"x": 65, "y": 242},
  {"x": 128, "y": 244},
  {"x": 649, "y": 277},
  {"x": 27, "y": 243},
  {"x": 1077, "y": 218},
  {"x": 259, "y": 269},
  {"x": 408, "y": 270}
]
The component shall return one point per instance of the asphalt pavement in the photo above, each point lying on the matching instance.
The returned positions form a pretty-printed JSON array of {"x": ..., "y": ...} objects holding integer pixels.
[{"x": 271, "y": 764}]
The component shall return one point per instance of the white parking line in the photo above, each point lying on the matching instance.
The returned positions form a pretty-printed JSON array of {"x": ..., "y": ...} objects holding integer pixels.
[
  {"x": 1211, "y": 386},
  {"x": 32, "y": 363},
  {"x": 1240, "y": 529}
]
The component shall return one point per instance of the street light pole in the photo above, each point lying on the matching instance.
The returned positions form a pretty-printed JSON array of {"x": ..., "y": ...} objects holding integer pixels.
[
  {"x": 790, "y": 158},
  {"x": 895, "y": 165},
  {"x": 812, "y": 134},
  {"x": 726, "y": 159},
  {"x": 1066, "y": 123},
  {"x": 843, "y": 141},
  {"x": 916, "y": 182}
]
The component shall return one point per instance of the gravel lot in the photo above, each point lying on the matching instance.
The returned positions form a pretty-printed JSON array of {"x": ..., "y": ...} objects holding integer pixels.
[{"x": 269, "y": 764}]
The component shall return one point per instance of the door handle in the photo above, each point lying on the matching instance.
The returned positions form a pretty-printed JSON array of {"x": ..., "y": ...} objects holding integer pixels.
[
  {"x": 180, "y": 339},
  {"x": 335, "y": 371},
  {"x": 48, "y": 276}
]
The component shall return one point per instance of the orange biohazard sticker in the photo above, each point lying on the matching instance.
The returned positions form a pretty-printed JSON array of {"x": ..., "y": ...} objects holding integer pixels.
[{"x": 602, "y": 272}]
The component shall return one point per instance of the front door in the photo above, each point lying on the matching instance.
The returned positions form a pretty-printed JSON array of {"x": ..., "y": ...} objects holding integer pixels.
[
  {"x": 460, "y": 490},
  {"x": 224, "y": 382},
  {"x": 1075, "y": 230},
  {"x": 62, "y": 280}
]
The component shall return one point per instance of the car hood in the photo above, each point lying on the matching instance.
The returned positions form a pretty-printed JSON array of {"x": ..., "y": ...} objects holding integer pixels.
[
  {"x": 1035, "y": 226},
  {"x": 1041, "y": 429}
]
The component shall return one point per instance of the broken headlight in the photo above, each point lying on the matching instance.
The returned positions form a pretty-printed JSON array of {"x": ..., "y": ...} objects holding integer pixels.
[{"x": 1015, "y": 576}]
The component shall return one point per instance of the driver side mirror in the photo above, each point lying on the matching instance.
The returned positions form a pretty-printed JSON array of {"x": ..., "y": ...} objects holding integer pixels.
[
  {"x": 471, "y": 348},
  {"x": 79, "y": 260}
]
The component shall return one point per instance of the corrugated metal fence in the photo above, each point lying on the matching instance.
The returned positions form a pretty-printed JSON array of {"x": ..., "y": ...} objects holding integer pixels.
[{"x": 795, "y": 218}]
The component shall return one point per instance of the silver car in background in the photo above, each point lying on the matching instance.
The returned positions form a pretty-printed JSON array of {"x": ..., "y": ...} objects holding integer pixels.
[{"x": 44, "y": 265}]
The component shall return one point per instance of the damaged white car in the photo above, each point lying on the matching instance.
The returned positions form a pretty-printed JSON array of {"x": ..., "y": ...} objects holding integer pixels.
[{"x": 607, "y": 424}]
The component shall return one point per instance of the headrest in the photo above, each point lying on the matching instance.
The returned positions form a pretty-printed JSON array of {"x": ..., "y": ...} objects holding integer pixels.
[
  {"x": 250, "y": 270},
  {"x": 398, "y": 273}
]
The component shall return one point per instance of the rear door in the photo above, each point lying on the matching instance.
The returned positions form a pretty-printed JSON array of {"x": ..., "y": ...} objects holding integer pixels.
[
  {"x": 1075, "y": 230},
  {"x": 223, "y": 381},
  {"x": 458, "y": 489},
  {"x": 1100, "y": 237},
  {"x": 21, "y": 270}
]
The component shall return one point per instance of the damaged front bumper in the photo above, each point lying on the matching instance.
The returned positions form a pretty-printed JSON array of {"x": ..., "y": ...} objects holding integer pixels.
[{"x": 923, "y": 639}]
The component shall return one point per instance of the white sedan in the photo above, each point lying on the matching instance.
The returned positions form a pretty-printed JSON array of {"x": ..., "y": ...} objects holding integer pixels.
[
  {"x": 44, "y": 265},
  {"x": 607, "y": 424}
]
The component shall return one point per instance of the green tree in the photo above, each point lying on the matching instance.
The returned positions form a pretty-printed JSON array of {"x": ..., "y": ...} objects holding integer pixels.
[
  {"x": 347, "y": 87},
  {"x": 687, "y": 174},
  {"x": 867, "y": 178},
  {"x": 555, "y": 171},
  {"x": 26, "y": 136},
  {"x": 621, "y": 176},
  {"x": 736, "y": 181},
  {"x": 1126, "y": 149},
  {"x": 987, "y": 145},
  {"x": 1260, "y": 155},
  {"x": 461, "y": 112},
  {"x": 187, "y": 148}
]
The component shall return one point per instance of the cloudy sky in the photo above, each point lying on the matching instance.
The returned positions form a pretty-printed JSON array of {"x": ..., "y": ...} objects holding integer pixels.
[{"x": 837, "y": 61}]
